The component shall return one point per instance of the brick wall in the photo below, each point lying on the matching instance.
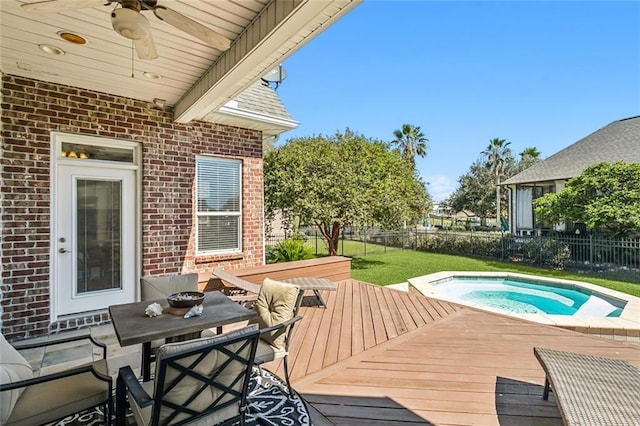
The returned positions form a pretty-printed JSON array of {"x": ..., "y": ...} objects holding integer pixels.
[{"x": 31, "y": 110}]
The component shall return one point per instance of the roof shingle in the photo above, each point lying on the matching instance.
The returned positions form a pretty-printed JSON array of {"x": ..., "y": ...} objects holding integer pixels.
[
  {"x": 618, "y": 141},
  {"x": 262, "y": 99}
]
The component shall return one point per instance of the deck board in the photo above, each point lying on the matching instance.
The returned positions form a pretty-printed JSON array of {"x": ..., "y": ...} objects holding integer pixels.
[
  {"x": 377, "y": 356},
  {"x": 368, "y": 328}
]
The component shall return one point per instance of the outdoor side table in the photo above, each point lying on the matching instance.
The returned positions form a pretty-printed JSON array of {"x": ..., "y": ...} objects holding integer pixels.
[
  {"x": 132, "y": 326},
  {"x": 315, "y": 284}
]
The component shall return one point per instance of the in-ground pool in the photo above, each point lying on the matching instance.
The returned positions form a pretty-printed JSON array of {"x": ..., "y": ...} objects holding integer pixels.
[{"x": 520, "y": 295}]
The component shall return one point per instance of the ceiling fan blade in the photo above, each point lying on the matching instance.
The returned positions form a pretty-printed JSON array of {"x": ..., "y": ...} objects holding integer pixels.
[
  {"x": 192, "y": 27},
  {"x": 145, "y": 47},
  {"x": 53, "y": 6}
]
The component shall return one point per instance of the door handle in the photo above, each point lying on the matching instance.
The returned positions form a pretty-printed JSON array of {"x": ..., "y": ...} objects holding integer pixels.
[{"x": 63, "y": 250}]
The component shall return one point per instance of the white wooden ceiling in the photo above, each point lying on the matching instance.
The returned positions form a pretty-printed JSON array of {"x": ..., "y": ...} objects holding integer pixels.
[{"x": 196, "y": 78}]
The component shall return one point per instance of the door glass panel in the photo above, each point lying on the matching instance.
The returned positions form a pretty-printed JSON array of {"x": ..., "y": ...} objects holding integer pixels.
[{"x": 99, "y": 211}]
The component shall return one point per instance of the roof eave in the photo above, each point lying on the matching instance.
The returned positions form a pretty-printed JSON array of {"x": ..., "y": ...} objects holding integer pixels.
[{"x": 280, "y": 29}]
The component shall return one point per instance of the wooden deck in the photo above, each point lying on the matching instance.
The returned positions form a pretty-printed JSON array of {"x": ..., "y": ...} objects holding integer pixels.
[{"x": 379, "y": 356}]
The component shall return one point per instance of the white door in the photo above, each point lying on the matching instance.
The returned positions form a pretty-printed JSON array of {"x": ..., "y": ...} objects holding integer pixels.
[{"x": 94, "y": 249}]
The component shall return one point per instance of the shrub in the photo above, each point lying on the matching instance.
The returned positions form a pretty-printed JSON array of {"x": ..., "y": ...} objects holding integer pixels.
[
  {"x": 546, "y": 252},
  {"x": 289, "y": 250}
]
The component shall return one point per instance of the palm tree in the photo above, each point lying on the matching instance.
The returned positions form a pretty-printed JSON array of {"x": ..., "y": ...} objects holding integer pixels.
[
  {"x": 411, "y": 142},
  {"x": 528, "y": 157},
  {"x": 530, "y": 152},
  {"x": 495, "y": 154}
]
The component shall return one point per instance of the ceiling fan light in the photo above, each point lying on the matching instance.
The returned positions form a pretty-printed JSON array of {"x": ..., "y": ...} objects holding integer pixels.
[{"x": 130, "y": 23}]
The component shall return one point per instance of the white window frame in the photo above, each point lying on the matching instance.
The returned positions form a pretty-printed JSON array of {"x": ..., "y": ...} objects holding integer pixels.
[{"x": 199, "y": 214}]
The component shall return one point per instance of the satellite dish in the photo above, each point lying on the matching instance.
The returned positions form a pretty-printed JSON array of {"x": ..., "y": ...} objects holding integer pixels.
[{"x": 276, "y": 75}]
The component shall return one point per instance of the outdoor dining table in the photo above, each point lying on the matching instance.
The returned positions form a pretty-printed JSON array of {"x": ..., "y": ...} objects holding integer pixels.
[{"x": 132, "y": 326}]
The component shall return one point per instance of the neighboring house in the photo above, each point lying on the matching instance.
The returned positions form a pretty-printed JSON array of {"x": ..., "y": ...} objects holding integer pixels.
[
  {"x": 440, "y": 209},
  {"x": 618, "y": 141},
  {"x": 466, "y": 217},
  {"x": 107, "y": 178}
]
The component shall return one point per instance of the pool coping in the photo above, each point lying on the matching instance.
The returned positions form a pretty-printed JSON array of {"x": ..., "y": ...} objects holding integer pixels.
[{"x": 626, "y": 327}]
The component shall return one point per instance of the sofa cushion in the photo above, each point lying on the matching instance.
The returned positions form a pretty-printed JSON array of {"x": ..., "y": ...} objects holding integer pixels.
[
  {"x": 13, "y": 368},
  {"x": 276, "y": 304}
]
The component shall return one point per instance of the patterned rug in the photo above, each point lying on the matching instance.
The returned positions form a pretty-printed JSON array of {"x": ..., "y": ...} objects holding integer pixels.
[{"x": 269, "y": 405}]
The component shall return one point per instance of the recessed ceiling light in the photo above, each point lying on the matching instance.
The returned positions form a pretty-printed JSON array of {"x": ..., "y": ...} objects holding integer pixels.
[
  {"x": 72, "y": 38},
  {"x": 51, "y": 50},
  {"x": 151, "y": 75}
]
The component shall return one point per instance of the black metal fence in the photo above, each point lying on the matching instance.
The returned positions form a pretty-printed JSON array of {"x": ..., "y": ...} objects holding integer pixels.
[{"x": 608, "y": 258}]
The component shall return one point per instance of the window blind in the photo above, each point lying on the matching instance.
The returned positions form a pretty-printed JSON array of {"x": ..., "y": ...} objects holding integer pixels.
[{"x": 219, "y": 205}]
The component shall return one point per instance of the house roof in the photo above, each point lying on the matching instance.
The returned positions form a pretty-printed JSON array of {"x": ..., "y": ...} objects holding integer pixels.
[
  {"x": 464, "y": 214},
  {"x": 260, "y": 97},
  {"x": 259, "y": 108},
  {"x": 618, "y": 141}
]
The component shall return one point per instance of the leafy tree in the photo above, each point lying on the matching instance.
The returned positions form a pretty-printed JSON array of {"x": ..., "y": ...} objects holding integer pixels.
[
  {"x": 342, "y": 180},
  {"x": 606, "y": 196},
  {"x": 475, "y": 191},
  {"x": 495, "y": 154},
  {"x": 410, "y": 141}
]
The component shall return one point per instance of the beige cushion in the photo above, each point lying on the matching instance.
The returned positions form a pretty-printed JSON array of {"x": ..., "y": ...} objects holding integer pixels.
[
  {"x": 13, "y": 368},
  {"x": 48, "y": 401},
  {"x": 208, "y": 366},
  {"x": 159, "y": 287},
  {"x": 265, "y": 352},
  {"x": 276, "y": 304}
]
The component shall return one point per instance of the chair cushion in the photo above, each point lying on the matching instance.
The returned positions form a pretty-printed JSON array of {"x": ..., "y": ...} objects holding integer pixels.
[
  {"x": 49, "y": 401},
  {"x": 159, "y": 287},
  {"x": 276, "y": 304},
  {"x": 265, "y": 352},
  {"x": 207, "y": 367},
  {"x": 13, "y": 368}
]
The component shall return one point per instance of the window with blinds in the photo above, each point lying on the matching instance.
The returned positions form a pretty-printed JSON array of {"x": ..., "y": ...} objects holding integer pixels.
[{"x": 219, "y": 205}]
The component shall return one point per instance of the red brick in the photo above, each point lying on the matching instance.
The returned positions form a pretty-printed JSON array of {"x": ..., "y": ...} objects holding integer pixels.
[{"x": 33, "y": 109}]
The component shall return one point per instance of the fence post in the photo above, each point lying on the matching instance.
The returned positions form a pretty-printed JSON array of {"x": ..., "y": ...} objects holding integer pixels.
[
  {"x": 384, "y": 236},
  {"x": 316, "y": 243},
  {"x": 365, "y": 242},
  {"x": 591, "y": 252}
]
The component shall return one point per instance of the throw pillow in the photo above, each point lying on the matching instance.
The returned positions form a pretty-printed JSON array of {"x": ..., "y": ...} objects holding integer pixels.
[{"x": 276, "y": 304}]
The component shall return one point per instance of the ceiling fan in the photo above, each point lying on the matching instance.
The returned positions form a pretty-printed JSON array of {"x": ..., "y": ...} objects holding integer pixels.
[{"x": 129, "y": 22}]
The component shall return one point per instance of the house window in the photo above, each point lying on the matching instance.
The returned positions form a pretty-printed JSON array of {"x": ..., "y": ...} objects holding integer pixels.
[
  {"x": 219, "y": 205},
  {"x": 539, "y": 191}
]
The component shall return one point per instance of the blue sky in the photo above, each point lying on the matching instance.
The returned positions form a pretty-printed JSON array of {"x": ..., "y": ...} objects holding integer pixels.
[{"x": 542, "y": 74}]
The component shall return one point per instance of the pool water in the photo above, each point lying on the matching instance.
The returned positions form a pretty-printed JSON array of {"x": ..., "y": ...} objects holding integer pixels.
[{"x": 521, "y": 296}]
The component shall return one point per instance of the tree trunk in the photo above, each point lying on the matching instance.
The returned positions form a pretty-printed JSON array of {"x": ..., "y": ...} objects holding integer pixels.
[
  {"x": 331, "y": 233},
  {"x": 498, "y": 201}
]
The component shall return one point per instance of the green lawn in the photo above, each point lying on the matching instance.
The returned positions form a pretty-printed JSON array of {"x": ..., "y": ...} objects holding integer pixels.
[{"x": 397, "y": 266}]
